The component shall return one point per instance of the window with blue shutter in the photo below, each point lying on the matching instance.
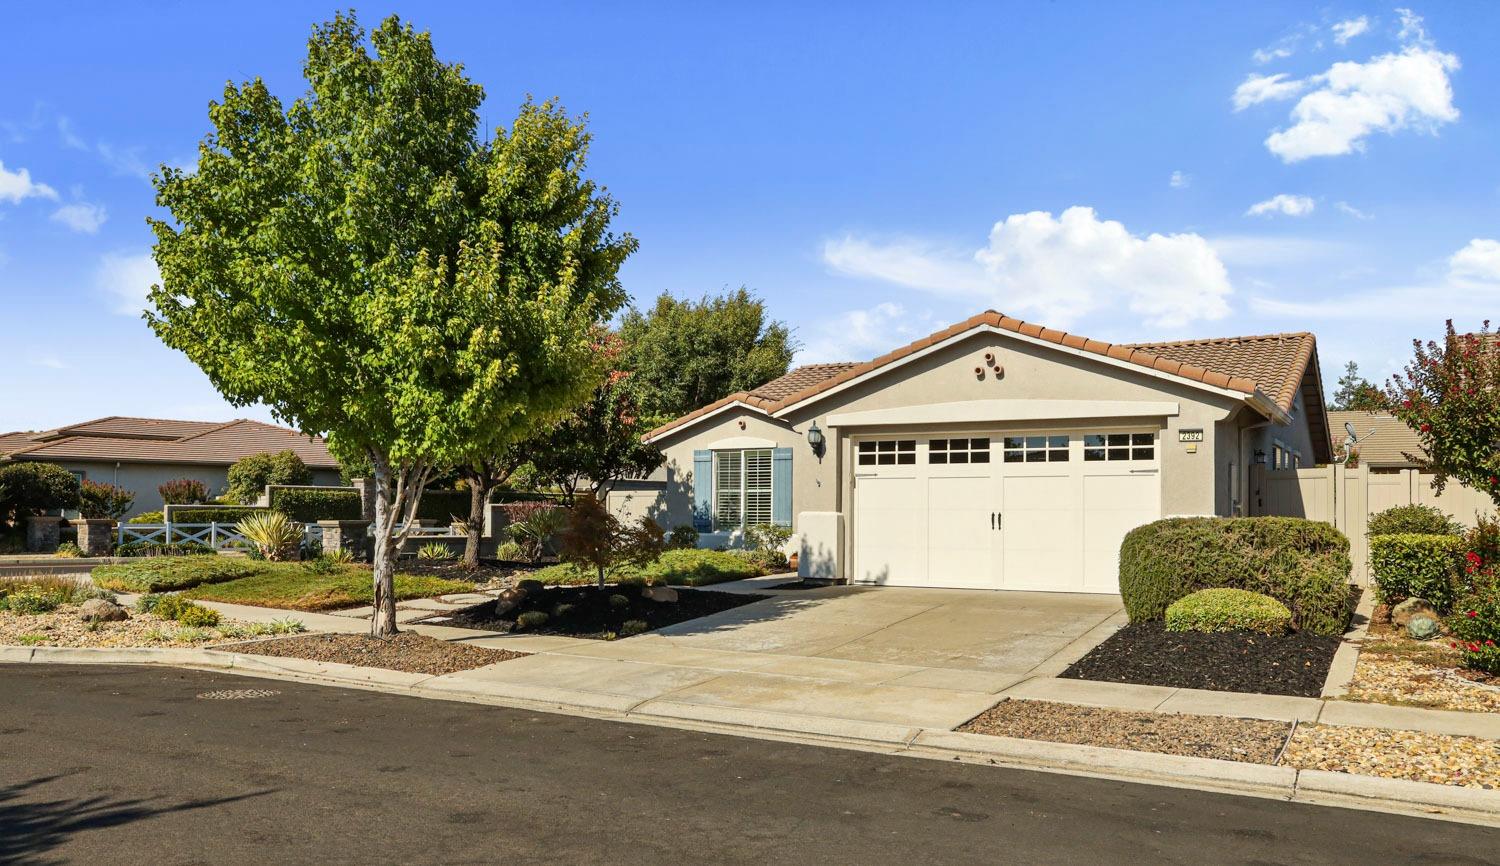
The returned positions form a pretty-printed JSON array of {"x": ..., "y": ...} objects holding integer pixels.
[
  {"x": 781, "y": 487},
  {"x": 703, "y": 490}
]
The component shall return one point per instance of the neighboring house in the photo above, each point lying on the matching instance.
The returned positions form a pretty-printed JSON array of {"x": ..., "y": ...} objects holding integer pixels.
[
  {"x": 1384, "y": 440},
  {"x": 139, "y": 454},
  {"x": 995, "y": 453}
]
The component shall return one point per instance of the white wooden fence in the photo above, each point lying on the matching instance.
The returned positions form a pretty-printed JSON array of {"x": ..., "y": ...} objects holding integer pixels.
[
  {"x": 1347, "y": 497},
  {"x": 218, "y": 536}
]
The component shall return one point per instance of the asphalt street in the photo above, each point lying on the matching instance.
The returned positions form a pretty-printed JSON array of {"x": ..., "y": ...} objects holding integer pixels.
[{"x": 138, "y": 765}]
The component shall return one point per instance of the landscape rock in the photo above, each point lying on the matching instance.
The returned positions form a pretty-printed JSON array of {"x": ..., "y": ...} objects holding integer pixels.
[
  {"x": 1423, "y": 627},
  {"x": 1403, "y": 613},
  {"x": 507, "y": 601},
  {"x": 664, "y": 594},
  {"x": 529, "y": 585},
  {"x": 99, "y": 610}
]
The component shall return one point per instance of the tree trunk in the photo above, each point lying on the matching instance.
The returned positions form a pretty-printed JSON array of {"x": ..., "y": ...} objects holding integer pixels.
[
  {"x": 601, "y": 577},
  {"x": 479, "y": 497},
  {"x": 383, "y": 620}
]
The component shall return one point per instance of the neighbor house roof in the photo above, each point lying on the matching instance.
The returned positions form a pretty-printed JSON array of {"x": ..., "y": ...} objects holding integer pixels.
[
  {"x": 155, "y": 440},
  {"x": 1384, "y": 440},
  {"x": 1271, "y": 367}
]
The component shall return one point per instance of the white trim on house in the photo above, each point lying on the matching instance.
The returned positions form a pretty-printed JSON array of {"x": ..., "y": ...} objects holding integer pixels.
[
  {"x": 737, "y": 404},
  {"x": 1258, "y": 401},
  {"x": 739, "y": 443},
  {"x": 1000, "y": 411}
]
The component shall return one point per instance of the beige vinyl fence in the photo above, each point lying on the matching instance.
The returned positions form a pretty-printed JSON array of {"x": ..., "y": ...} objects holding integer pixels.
[{"x": 1347, "y": 497}]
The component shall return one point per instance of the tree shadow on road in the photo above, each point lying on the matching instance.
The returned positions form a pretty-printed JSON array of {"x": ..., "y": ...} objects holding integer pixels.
[{"x": 32, "y": 827}]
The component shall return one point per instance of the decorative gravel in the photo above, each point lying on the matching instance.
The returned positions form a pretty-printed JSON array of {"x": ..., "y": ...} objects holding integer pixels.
[
  {"x": 1467, "y": 761},
  {"x": 62, "y": 627},
  {"x": 1394, "y": 669},
  {"x": 408, "y": 652},
  {"x": 1248, "y": 740}
]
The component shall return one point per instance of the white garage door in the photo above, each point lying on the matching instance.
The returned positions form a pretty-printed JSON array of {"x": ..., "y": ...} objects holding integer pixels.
[{"x": 1034, "y": 511}]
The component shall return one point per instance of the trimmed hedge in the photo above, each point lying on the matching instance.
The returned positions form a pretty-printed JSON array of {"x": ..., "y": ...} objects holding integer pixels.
[
  {"x": 214, "y": 514},
  {"x": 1215, "y": 610},
  {"x": 309, "y": 506},
  {"x": 443, "y": 505},
  {"x": 1411, "y": 520},
  {"x": 162, "y": 573},
  {"x": 1304, "y": 564},
  {"x": 1421, "y": 566}
]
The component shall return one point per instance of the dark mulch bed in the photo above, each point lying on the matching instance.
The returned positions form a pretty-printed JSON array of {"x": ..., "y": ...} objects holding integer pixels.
[
  {"x": 593, "y": 616},
  {"x": 407, "y": 651},
  {"x": 1146, "y": 653}
]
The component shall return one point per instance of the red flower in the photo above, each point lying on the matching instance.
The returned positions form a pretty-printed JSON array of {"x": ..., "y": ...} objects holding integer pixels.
[
  {"x": 1473, "y": 613},
  {"x": 1473, "y": 647},
  {"x": 1426, "y": 428},
  {"x": 1453, "y": 644},
  {"x": 1489, "y": 643}
]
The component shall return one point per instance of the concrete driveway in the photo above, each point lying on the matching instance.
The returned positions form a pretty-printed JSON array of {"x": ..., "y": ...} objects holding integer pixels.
[{"x": 918, "y": 657}]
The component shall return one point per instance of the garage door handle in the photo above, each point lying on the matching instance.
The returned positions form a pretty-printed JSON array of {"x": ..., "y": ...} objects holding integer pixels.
[{"x": 992, "y": 521}]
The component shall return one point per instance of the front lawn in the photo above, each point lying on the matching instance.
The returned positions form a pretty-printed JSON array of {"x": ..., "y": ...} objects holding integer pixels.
[
  {"x": 294, "y": 586},
  {"x": 169, "y": 573},
  {"x": 689, "y": 567}
]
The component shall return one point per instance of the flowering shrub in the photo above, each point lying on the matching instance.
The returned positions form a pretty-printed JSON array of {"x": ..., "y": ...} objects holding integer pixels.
[{"x": 1480, "y": 656}]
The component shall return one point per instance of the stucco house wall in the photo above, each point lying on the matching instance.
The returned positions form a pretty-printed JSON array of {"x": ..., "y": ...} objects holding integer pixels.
[{"x": 142, "y": 479}]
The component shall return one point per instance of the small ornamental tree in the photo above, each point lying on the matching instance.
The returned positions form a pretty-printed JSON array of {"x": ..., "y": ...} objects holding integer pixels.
[
  {"x": 249, "y": 476},
  {"x": 594, "y": 538},
  {"x": 183, "y": 491},
  {"x": 1450, "y": 395},
  {"x": 1356, "y": 393},
  {"x": 371, "y": 265},
  {"x": 28, "y": 488},
  {"x": 103, "y": 501}
]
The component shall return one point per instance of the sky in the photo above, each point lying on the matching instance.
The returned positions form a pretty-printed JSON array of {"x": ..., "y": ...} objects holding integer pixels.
[{"x": 1131, "y": 172}]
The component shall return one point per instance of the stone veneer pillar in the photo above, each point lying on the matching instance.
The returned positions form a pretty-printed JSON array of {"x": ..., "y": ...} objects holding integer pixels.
[
  {"x": 350, "y": 535},
  {"x": 41, "y": 533},
  {"x": 95, "y": 537},
  {"x": 366, "y": 488}
]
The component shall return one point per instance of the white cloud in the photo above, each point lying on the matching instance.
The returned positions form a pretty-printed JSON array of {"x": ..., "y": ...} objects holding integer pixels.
[
  {"x": 1274, "y": 251},
  {"x": 1388, "y": 93},
  {"x": 1353, "y": 211},
  {"x": 1345, "y": 30},
  {"x": 81, "y": 217},
  {"x": 51, "y": 362},
  {"x": 1286, "y": 205},
  {"x": 1058, "y": 269},
  {"x": 858, "y": 335},
  {"x": 1479, "y": 261},
  {"x": 16, "y": 186},
  {"x": 128, "y": 278},
  {"x": 1180, "y": 180},
  {"x": 1256, "y": 89}
]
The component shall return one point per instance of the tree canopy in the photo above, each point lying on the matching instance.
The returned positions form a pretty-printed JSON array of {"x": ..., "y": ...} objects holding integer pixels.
[
  {"x": 1356, "y": 393},
  {"x": 1450, "y": 395},
  {"x": 369, "y": 266},
  {"x": 683, "y": 354}
]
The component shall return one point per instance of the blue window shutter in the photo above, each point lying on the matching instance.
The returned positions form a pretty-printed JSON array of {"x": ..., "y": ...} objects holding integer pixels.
[
  {"x": 781, "y": 486},
  {"x": 703, "y": 490}
]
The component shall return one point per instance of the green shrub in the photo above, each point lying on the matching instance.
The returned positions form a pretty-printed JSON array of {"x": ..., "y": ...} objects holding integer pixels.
[
  {"x": 694, "y": 567},
  {"x": 532, "y": 619},
  {"x": 1422, "y": 566},
  {"x": 214, "y": 514},
  {"x": 32, "y": 595},
  {"x": 1475, "y": 618},
  {"x": 307, "y": 505},
  {"x": 1411, "y": 520},
  {"x": 1303, "y": 564},
  {"x": 272, "y": 533},
  {"x": 1215, "y": 610},
  {"x": 30, "y": 602},
  {"x": 155, "y": 574},
  {"x": 157, "y": 548},
  {"x": 321, "y": 565},
  {"x": 69, "y": 550},
  {"x": 196, "y": 616},
  {"x": 98, "y": 501},
  {"x": 249, "y": 476},
  {"x": 147, "y": 517},
  {"x": 618, "y": 600},
  {"x": 509, "y": 551},
  {"x": 339, "y": 556},
  {"x": 32, "y": 488},
  {"x": 182, "y": 491},
  {"x": 532, "y": 525},
  {"x": 443, "y": 505},
  {"x": 434, "y": 550},
  {"x": 634, "y": 626},
  {"x": 766, "y": 541},
  {"x": 683, "y": 537}
]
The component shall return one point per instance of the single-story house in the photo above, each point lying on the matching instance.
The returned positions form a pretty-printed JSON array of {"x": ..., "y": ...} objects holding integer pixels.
[
  {"x": 995, "y": 453},
  {"x": 139, "y": 454},
  {"x": 1384, "y": 440}
]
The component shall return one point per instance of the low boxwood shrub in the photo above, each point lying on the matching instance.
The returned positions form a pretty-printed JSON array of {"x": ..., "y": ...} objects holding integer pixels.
[
  {"x": 309, "y": 506},
  {"x": 1411, "y": 520},
  {"x": 214, "y": 514},
  {"x": 1304, "y": 564},
  {"x": 175, "y": 607},
  {"x": 683, "y": 537},
  {"x": 172, "y": 572},
  {"x": 1214, "y": 610},
  {"x": 1421, "y": 566}
]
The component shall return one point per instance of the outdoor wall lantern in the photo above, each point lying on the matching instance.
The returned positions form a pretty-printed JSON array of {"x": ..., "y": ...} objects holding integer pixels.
[
  {"x": 1260, "y": 457},
  {"x": 815, "y": 439}
]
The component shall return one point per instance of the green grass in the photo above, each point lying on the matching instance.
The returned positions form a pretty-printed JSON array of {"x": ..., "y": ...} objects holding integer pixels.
[
  {"x": 674, "y": 568},
  {"x": 293, "y": 586},
  {"x": 167, "y": 573}
]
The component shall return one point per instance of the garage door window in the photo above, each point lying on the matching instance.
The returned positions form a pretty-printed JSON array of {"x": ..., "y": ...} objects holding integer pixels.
[
  {"x": 888, "y": 452},
  {"x": 1036, "y": 449},
  {"x": 742, "y": 488},
  {"x": 958, "y": 450},
  {"x": 1119, "y": 446}
]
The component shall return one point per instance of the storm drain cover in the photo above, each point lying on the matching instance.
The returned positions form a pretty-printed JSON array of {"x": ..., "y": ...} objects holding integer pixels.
[{"x": 238, "y": 694}]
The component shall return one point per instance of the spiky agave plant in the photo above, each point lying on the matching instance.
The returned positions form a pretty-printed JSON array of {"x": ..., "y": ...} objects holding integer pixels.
[{"x": 272, "y": 533}]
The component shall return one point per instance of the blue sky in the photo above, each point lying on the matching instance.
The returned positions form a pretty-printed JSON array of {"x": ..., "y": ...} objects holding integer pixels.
[{"x": 1126, "y": 171}]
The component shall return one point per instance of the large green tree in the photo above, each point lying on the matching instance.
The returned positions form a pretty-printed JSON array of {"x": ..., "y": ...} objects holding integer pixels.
[
  {"x": 1356, "y": 393},
  {"x": 369, "y": 266},
  {"x": 1450, "y": 395},
  {"x": 683, "y": 354}
]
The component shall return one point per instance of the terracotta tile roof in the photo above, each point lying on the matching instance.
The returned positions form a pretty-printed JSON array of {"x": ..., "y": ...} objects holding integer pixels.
[
  {"x": 1272, "y": 366},
  {"x": 1387, "y": 446},
  {"x": 146, "y": 440}
]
